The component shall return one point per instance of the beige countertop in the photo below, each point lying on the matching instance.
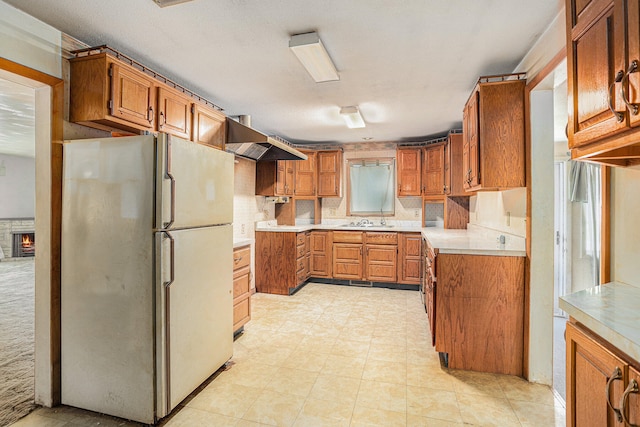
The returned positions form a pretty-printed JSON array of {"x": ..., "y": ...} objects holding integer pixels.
[
  {"x": 474, "y": 241},
  {"x": 238, "y": 243},
  {"x": 611, "y": 311}
]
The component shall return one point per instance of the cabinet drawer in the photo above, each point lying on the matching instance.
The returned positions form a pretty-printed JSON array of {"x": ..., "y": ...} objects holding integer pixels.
[
  {"x": 300, "y": 250},
  {"x": 241, "y": 285},
  {"x": 347, "y": 237},
  {"x": 300, "y": 239},
  {"x": 241, "y": 257},
  {"x": 241, "y": 313},
  {"x": 382, "y": 238}
]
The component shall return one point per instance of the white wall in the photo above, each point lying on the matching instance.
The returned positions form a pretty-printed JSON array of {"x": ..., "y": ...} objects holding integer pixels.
[
  {"x": 625, "y": 230},
  {"x": 17, "y": 186},
  {"x": 27, "y": 41},
  {"x": 504, "y": 211}
]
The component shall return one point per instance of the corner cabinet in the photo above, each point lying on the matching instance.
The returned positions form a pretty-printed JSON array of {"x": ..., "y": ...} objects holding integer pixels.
[
  {"x": 603, "y": 60},
  {"x": 241, "y": 287},
  {"x": 602, "y": 384},
  {"x": 330, "y": 173},
  {"x": 434, "y": 171},
  {"x": 494, "y": 134}
]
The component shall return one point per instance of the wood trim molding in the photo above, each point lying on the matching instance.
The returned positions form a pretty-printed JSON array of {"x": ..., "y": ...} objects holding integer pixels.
[
  {"x": 605, "y": 225},
  {"x": 57, "y": 115},
  {"x": 535, "y": 81}
]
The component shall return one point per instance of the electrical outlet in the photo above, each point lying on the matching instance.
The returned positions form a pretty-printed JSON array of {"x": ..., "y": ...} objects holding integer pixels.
[
  {"x": 416, "y": 213},
  {"x": 508, "y": 219},
  {"x": 242, "y": 229}
]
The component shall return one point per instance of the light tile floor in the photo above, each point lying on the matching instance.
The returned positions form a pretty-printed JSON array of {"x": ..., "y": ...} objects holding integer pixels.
[{"x": 343, "y": 356}]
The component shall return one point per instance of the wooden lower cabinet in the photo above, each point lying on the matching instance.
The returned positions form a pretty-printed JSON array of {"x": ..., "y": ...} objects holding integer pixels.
[
  {"x": 321, "y": 254},
  {"x": 241, "y": 286},
  {"x": 409, "y": 258},
  {"x": 480, "y": 312},
  {"x": 381, "y": 263},
  {"x": 597, "y": 375},
  {"x": 347, "y": 261},
  {"x": 282, "y": 261}
]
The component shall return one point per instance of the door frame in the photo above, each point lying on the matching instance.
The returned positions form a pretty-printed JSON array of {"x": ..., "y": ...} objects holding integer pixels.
[{"x": 49, "y": 97}]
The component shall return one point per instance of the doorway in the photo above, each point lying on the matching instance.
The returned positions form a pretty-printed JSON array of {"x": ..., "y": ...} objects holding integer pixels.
[{"x": 49, "y": 95}]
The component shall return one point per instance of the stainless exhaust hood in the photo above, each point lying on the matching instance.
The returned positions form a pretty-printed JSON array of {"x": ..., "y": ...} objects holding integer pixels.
[{"x": 246, "y": 142}]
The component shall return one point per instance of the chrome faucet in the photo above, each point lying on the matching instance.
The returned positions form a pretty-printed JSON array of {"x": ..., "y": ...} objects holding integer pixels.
[
  {"x": 382, "y": 220},
  {"x": 363, "y": 222}
]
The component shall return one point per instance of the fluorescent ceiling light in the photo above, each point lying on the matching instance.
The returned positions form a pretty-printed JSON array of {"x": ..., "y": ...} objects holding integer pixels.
[
  {"x": 165, "y": 3},
  {"x": 313, "y": 56},
  {"x": 352, "y": 117}
]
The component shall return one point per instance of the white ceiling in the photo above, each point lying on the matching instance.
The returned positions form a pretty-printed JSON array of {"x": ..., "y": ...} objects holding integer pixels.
[{"x": 410, "y": 65}]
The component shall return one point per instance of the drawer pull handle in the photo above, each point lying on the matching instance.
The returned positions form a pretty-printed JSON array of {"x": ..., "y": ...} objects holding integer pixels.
[
  {"x": 237, "y": 260},
  {"x": 618, "y": 79},
  {"x": 632, "y": 388},
  {"x": 633, "y": 67},
  {"x": 615, "y": 375}
]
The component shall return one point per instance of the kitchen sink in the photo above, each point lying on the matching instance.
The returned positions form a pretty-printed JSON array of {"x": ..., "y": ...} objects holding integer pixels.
[{"x": 366, "y": 225}]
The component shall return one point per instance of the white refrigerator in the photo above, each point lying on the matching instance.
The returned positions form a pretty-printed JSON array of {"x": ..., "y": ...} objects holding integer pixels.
[{"x": 147, "y": 303}]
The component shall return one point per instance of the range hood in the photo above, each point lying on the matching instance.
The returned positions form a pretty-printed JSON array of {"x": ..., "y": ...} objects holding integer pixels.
[{"x": 246, "y": 142}]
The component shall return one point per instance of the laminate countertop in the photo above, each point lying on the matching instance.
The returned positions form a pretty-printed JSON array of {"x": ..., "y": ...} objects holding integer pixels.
[
  {"x": 611, "y": 311},
  {"x": 473, "y": 241}
]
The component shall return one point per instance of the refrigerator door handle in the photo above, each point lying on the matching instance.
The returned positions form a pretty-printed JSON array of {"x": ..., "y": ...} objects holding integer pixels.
[
  {"x": 171, "y": 259},
  {"x": 168, "y": 175}
]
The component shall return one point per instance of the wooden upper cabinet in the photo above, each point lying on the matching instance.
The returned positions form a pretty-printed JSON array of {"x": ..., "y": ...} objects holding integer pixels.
[
  {"x": 329, "y": 173},
  {"x": 603, "y": 62},
  {"x": 174, "y": 113},
  {"x": 305, "y": 175},
  {"x": 409, "y": 171},
  {"x": 453, "y": 165},
  {"x": 433, "y": 181},
  {"x": 494, "y": 134},
  {"x": 596, "y": 69},
  {"x": 107, "y": 95},
  {"x": 274, "y": 178},
  {"x": 209, "y": 126}
]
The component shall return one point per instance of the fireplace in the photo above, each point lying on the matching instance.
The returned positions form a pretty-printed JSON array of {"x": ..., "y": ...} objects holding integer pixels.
[{"x": 24, "y": 244}]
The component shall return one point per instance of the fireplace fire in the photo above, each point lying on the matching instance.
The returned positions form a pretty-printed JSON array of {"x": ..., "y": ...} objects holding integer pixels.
[{"x": 24, "y": 245}]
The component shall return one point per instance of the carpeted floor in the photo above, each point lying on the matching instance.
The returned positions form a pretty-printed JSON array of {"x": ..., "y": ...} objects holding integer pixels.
[{"x": 17, "y": 300}]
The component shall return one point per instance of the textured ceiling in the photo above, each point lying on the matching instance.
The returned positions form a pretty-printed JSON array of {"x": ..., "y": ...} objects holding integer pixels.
[
  {"x": 17, "y": 119},
  {"x": 410, "y": 65}
]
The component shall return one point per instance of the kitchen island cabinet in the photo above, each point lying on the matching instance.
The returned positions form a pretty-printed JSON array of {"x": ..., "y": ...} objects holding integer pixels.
[{"x": 282, "y": 262}]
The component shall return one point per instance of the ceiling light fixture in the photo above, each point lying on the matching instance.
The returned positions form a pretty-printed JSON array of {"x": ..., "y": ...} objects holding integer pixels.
[
  {"x": 165, "y": 3},
  {"x": 311, "y": 52},
  {"x": 352, "y": 117}
]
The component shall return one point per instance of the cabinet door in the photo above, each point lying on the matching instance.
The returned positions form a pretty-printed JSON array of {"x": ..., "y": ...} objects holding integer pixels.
[
  {"x": 132, "y": 96},
  {"x": 593, "y": 375},
  {"x": 347, "y": 261},
  {"x": 320, "y": 247},
  {"x": 281, "y": 180},
  {"x": 329, "y": 173},
  {"x": 633, "y": 64},
  {"x": 446, "y": 173},
  {"x": 305, "y": 175},
  {"x": 381, "y": 263},
  {"x": 472, "y": 130},
  {"x": 596, "y": 63},
  {"x": 434, "y": 171},
  {"x": 209, "y": 126},
  {"x": 409, "y": 171},
  {"x": 410, "y": 263},
  {"x": 289, "y": 177},
  {"x": 174, "y": 113}
]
